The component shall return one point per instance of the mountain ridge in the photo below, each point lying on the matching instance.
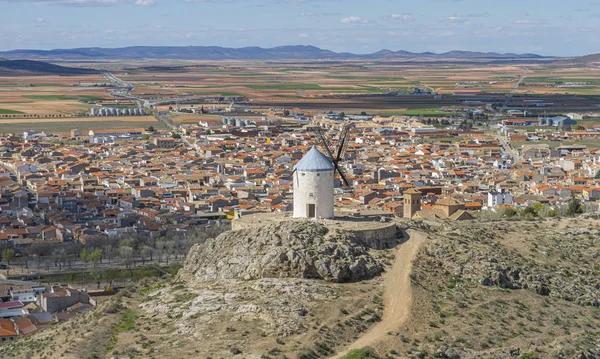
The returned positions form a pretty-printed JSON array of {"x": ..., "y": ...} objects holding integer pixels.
[
  {"x": 288, "y": 52},
  {"x": 34, "y": 68}
]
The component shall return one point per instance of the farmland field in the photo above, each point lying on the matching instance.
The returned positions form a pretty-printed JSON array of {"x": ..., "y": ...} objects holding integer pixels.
[
  {"x": 590, "y": 143},
  {"x": 388, "y": 88},
  {"x": 65, "y": 125},
  {"x": 49, "y": 96},
  {"x": 9, "y": 112}
]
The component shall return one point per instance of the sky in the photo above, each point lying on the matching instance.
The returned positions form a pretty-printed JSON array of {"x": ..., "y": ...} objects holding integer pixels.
[{"x": 546, "y": 27}]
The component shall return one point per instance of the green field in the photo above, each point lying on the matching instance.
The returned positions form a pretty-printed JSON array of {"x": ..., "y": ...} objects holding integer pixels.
[
  {"x": 9, "y": 112},
  {"x": 46, "y": 84},
  {"x": 289, "y": 87},
  {"x": 561, "y": 80},
  {"x": 253, "y": 75},
  {"x": 288, "y": 96},
  {"x": 590, "y": 143},
  {"x": 41, "y": 84},
  {"x": 48, "y": 97},
  {"x": 71, "y": 123},
  {"x": 64, "y": 97},
  {"x": 224, "y": 94},
  {"x": 425, "y": 112},
  {"x": 90, "y": 98},
  {"x": 365, "y": 78}
]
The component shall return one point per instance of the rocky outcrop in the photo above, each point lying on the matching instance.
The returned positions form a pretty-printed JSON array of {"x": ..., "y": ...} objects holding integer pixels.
[
  {"x": 478, "y": 256},
  {"x": 292, "y": 249}
]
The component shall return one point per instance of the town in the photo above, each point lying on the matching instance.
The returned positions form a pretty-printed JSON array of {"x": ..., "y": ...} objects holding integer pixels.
[
  {"x": 132, "y": 196},
  {"x": 299, "y": 179}
]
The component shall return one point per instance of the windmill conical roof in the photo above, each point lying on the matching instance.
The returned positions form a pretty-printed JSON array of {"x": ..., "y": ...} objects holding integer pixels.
[{"x": 314, "y": 161}]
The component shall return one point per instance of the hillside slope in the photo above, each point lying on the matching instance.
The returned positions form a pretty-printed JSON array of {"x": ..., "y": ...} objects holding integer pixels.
[
  {"x": 518, "y": 289},
  {"x": 37, "y": 68}
]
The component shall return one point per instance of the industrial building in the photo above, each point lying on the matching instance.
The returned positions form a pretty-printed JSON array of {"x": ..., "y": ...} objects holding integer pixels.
[{"x": 112, "y": 111}]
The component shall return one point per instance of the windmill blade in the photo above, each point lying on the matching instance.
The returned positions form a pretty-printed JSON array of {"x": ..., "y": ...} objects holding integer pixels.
[
  {"x": 326, "y": 145},
  {"x": 324, "y": 141},
  {"x": 333, "y": 159},
  {"x": 341, "y": 174},
  {"x": 341, "y": 146},
  {"x": 292, "y": 175},
  {"x": 335, "y": 163}
]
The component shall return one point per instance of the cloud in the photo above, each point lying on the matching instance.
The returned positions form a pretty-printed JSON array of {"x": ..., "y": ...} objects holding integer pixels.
[
  {"x": 86, "y": 3},
  {"x": 453, "y": 18},
  {"x": 319, "y": 14},
  {"x": 400, "y": 17},
  {"x": 479, "y": 14},
  {"x": 40, "y": 20},
  {"x": 353, "y": 20}
]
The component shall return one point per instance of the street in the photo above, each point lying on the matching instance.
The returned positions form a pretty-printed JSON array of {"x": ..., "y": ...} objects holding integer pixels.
[
  {"x": 506, "y": 148},
  {"x": 499, "y": 113}
]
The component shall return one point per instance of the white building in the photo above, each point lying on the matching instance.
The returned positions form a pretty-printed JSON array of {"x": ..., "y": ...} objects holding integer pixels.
[
  {"x": 24, "y": 295},
  {"x": 313, "y": 186},
  {"x": 498, "y": 198}
]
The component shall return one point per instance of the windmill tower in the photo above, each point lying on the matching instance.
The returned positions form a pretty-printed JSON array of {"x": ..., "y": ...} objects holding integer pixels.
[{"x": 314, "y": 178}]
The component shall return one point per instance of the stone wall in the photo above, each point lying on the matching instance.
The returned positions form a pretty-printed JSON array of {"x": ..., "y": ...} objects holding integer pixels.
[{"x": 377, "y": 238}]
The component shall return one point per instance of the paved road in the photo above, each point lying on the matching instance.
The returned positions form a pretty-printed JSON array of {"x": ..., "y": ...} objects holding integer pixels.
[
  {"x": 124, "y": 90},
  {"x": 499, "y": 113},
  {"x": 514, "y": 89},
  {"x": 14, "y": 282},
  {"x": 507, "y": 149}
]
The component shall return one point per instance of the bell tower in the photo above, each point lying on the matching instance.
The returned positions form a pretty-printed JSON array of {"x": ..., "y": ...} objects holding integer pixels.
[{"x": 412, "y": 202}]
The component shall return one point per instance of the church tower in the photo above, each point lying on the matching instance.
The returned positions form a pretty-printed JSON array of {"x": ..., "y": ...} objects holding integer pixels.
[
  {"x": 314, "y": 186},
  {"x": 412, "y": 202}
]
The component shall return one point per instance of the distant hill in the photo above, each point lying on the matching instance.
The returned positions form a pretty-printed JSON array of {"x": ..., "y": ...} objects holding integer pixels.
[
  {"x": 593, "y": 58},
  {"x": 299, "y": 52},
  {"x": 33, "y": 68}
]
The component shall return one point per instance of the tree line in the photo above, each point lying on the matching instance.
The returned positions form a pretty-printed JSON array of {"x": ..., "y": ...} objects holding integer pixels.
[{"x": 128, "y": 251}]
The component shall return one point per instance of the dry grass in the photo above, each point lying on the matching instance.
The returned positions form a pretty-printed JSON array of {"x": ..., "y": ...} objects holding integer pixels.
[{"x": 451, "y": 313}]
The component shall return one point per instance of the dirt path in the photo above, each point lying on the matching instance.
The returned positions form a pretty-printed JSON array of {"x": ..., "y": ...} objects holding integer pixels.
[{"x": 397, "y": 295}]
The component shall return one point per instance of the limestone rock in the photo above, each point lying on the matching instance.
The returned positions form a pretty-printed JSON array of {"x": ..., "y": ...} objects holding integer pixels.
[{"x": 292, "y": 249}]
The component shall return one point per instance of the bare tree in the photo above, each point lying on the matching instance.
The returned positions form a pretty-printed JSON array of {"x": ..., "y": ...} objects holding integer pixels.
[{"x": 126, "y": 255}]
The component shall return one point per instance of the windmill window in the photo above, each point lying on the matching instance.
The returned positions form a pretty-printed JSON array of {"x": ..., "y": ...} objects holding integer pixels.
[{"x": 318, "y": 175}]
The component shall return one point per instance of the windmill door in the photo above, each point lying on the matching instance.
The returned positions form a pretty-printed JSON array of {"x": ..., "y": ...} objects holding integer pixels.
[{"x": 312, "y": 210}]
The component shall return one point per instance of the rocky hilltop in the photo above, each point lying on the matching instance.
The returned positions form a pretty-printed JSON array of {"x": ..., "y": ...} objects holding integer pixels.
[
  {"x": 268, "y": 292},
  {"x": 300, "y": 290},
  {"x": 291, "y": 249}
]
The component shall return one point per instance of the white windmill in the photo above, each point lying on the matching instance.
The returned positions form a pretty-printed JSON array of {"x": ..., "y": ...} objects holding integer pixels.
[{"x": 314, "y": 178}]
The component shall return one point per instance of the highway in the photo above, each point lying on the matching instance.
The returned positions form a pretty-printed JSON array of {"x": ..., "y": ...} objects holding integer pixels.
[
  {"x": 499, "y": 113},
  {"x": 124, "y": 90},
  {"x": 514, "y": 89}
]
